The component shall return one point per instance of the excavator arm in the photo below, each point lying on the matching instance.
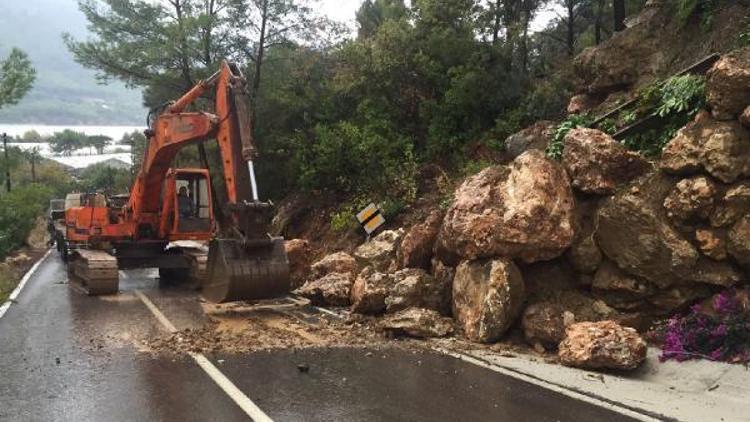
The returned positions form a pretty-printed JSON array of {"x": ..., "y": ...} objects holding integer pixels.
[{"x": 244, "y": 261}]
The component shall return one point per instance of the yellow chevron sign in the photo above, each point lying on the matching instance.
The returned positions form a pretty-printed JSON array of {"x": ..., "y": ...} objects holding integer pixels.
[{"x": 371, "y": 218}]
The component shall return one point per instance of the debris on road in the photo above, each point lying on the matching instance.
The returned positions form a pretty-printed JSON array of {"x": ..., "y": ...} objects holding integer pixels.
[
  {"x": 417, "y": 322},
  {"x": 602, "y": 345}
]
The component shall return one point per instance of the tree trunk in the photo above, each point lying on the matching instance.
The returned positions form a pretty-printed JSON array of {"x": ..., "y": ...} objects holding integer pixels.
[
  {"x": 571, "y": 40},
  {"x": 618, "y": 7},
  {"x": 496, "y": 24},
  {"x": 525, "y": 40},
  {"x": 184, "y": 62},
  {"x": 598, "y": 23},
  {"x": 207, "y": 34},
  {"x": 33, "y": 169}
]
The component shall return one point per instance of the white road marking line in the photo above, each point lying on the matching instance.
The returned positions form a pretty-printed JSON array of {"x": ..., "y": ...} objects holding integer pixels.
[
  {"x": 234, "y": 393},
  {"x": 550, "y": 386},
  {"x": 17, "y": 291}
]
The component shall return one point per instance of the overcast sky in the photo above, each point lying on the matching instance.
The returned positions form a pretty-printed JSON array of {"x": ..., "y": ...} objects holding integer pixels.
[{"x": 344, "y": 11}]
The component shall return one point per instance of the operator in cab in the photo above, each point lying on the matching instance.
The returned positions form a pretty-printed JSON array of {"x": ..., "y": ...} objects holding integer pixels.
[{"x": 184, "y": 203}]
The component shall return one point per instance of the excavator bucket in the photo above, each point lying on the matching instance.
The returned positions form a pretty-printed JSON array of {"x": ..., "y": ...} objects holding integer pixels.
[{"x": 238, "y": 271}]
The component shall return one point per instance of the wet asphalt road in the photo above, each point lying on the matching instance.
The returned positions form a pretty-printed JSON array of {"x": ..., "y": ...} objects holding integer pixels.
[{"x": 68, "y": 357}]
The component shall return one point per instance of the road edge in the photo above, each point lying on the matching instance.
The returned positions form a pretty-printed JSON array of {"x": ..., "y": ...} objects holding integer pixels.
[
  {"x": 573, "y": 393},
  {"x": 21, "y": 284}
]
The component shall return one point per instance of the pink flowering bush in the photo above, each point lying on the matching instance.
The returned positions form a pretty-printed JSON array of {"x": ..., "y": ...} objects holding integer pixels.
[{"x": 719, "y": 330}]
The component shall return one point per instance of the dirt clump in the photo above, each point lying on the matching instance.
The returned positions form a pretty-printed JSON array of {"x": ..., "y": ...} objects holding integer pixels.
[{"x": 245, "y": 332}]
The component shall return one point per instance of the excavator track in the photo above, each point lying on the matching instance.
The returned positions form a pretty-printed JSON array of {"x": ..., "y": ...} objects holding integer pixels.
[{"x": 95, "y": 271}]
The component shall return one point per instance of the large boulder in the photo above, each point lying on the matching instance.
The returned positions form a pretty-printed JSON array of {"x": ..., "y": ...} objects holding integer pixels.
[
  {"x": 734, "y": 204},
  {"x": 544, "y": 321},
  {"x": 618, "y": 289},
  {"x": 738, "y": 244},
  {"x": 380, "y": 252},
  {"x": 721, "y": 148},
  {"x": 635, "y": 233},
  {"x": 298, "y": 251},
  {"x": 679, "y": 297},
  {"x": 333, "y": 289},
  {"x": 627, "y": 57},
  {"x": 525, "y": 212},
  {"x": 443, "y": 273},
  {"x": 548, "y": 278},
  {"x": 488, "y": 296},
  {"x": 417, "y": 322},
  {"x": 537, "y": 137},
  {"x": 691, "y": 199},
  {"x": 370, "y": 290},
  {"x": 415, "y": 288},
  {"x": 417, "y": 244},
  {"x": 582, "y": 103},
  {"x": 584, "y": 254},
  {"x": 712, "y": 242},
  {"x": 339, "y": 262},
  {"x": 602, "y": 345},
  {"x": 728, "y": 84},
  {"x": 597, "y": 163}
]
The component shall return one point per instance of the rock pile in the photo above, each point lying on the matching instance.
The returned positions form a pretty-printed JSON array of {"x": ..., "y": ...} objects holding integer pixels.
[{"x": 573, "y": 250}]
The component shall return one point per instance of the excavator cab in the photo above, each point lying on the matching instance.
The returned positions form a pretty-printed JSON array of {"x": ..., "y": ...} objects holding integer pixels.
[{"x": 187, "y": 210}]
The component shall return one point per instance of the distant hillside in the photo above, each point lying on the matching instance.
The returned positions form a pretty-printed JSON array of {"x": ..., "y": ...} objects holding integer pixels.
[{"x": 65, "y": 93}]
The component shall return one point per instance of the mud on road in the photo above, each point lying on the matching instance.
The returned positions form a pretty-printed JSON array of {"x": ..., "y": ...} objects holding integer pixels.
[{"x": 238, "y": 329}]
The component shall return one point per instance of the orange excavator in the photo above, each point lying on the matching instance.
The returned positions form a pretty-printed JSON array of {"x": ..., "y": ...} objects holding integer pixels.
[{"x": 169, "y": 215}]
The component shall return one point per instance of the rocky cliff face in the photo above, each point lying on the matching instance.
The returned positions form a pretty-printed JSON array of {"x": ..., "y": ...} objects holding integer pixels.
[{"x": 654, "y": 46}]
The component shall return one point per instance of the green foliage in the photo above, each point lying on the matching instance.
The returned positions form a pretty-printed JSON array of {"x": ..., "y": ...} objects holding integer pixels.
[
  {"x": 681, "y": 94},
  {"x": 447, "y": 200},
  {"x": 372, "y": 14},
  {"x": 370, "y": 160},
  {"x": 30, "y": 136},
  {"x": 8, "y": 281},
  {"x": 556, "y": 146},
  {"x": 472, "y": 167},
  {"x": 98, "y": 142},
  {"x": 343, "y": 220},
  {"x": 608, "y": 126},
  {"x": 743, "y": 39},
  {"x": 137, "y": 141},
  {"x": 16, "y": 77},
  {"x": 67, "y": 141},
  {"x": 18, "y": 211},
  {"x": 102, "y": 178},
  {"x": 686, "y": 9},
  {"x": 675, "y": 101}
]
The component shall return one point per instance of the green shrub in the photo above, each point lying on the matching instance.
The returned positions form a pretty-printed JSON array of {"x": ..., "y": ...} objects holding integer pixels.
[
  {"x": 681, "y": 94},
  {"x": 344, "y": 220},
  {"x": 676, "y": 101},
  {"x": 102, "y": 178},
  {"x": 353, "y": 160},
  {"x": 18, "y": 212},
  {"x": 556, "y": 146}
]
